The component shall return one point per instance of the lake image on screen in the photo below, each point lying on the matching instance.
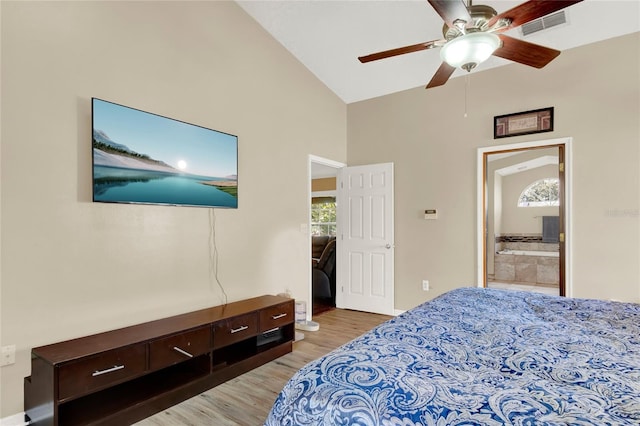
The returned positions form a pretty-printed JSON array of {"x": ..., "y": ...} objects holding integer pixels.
[{"x": 140, "y": 157}]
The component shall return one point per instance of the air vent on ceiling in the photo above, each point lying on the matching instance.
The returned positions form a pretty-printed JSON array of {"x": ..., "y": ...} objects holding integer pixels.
[{"x": 543, "y": 23}]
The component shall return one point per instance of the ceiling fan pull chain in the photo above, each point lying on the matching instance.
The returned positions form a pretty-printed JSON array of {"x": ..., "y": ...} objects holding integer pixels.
[{"x": 466, "y": 89}]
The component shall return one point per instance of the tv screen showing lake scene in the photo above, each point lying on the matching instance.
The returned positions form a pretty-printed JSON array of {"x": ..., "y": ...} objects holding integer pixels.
[{"x": 144, "y": 158}]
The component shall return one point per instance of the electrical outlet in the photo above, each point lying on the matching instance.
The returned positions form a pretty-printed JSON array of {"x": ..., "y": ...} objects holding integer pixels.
[
  {"x": 425, "y": 285},
  {"x": 8, "y": 355}
]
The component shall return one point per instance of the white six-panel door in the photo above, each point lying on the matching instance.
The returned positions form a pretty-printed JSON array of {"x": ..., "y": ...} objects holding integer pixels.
[{"x": 366, "y": 241}]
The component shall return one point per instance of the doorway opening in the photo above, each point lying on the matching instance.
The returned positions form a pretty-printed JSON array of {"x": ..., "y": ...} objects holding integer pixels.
[
  {"x": 322, "y": 225},
  {"x": 364, "y": 244},
  {"x": 523, "y": 217}
]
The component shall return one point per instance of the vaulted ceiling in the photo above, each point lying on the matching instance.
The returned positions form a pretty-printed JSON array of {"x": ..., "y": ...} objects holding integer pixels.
[{"x": 327, "y": 36}]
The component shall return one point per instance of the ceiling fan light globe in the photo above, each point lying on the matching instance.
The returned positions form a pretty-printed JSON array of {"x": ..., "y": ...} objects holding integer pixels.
[{"x": 469, "y": 50}]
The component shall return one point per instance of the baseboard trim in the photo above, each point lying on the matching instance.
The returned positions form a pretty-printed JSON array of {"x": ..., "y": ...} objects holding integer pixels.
[{"x": 15, "y": 420}]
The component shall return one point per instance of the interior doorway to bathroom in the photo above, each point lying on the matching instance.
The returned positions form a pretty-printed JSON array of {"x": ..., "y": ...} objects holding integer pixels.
[{"x": 523, "y": 217}]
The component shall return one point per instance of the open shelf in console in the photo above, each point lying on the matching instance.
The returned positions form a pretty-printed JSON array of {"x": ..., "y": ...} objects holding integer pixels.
[
  {"x": 275, "y": 337},
  {"x": 236, "y": 352},
  {"x": 247, "y": 348},
  {"x": 96, "y": 408}
]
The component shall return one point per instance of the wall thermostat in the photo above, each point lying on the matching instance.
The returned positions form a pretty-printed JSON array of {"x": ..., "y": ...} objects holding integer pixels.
[{"x": 430, "y": 214}]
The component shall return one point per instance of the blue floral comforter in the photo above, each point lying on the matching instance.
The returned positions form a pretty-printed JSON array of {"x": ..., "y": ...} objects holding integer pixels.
[{"x": 478, "y": 357}]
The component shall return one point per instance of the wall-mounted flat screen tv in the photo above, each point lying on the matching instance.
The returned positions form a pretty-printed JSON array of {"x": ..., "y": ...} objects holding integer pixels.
[{"x": 145, "y": 158}]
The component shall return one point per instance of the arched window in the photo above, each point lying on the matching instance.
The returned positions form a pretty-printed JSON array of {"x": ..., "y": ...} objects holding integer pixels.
[{"x": 543, "y": 192}]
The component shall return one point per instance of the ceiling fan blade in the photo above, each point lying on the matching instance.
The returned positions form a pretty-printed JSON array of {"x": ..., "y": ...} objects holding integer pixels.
[
  {"x": 398, "y": 51},
  {"x": 441, "y": 76},
  {"x": 450, "y": 10},
  {"x": 524, "y": 52},
  {"x": 530, "y": 10}
]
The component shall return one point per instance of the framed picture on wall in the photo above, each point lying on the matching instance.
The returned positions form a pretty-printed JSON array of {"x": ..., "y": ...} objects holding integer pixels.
[{"x": 523, "y": 123}]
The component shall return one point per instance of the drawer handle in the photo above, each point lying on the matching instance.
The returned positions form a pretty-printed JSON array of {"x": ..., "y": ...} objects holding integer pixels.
[
  {"x": 275, "y": 317},
  {"x": 108, "y": 370},
  {"x": 271, "y": 331},
  {"x": 185, "y": 353},
  {"x": 241, "y": 328}
]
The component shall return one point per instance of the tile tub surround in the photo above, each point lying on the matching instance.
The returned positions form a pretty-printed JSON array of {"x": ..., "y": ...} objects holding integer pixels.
[{"x": 527, "y": 269}]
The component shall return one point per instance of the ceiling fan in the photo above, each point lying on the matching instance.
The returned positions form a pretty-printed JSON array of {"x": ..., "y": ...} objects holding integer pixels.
[{"x": 472, "y": 33}]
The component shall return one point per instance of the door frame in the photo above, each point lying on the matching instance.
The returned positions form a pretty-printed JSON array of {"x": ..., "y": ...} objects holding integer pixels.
[
  {"x": 481, "y": 212},
  {"x": 329, "y": 163}
]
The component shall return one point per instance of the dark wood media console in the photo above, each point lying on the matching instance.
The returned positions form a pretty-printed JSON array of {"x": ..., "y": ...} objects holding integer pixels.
[{"x": 125, "y": 375}]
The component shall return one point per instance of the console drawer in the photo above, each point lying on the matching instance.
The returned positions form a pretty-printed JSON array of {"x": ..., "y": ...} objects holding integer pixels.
[
  {"x": 235, "y": 329},
  {"x": 89, "y": 374},
  {"x": 276, "y": 316},
  {"x": 179, "y": 347}
]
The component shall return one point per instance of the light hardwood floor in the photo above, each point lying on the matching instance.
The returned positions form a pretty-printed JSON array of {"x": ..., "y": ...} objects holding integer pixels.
[{"x": 246, "y": 400}]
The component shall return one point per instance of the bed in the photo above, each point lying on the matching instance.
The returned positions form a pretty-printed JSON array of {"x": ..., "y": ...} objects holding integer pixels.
[{"x": 478, "y": 357}]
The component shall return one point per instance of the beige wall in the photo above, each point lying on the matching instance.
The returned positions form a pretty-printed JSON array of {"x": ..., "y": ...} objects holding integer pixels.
[
  {"x": 71, "y": 267},
  {"x": 434, "y": 148}
]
